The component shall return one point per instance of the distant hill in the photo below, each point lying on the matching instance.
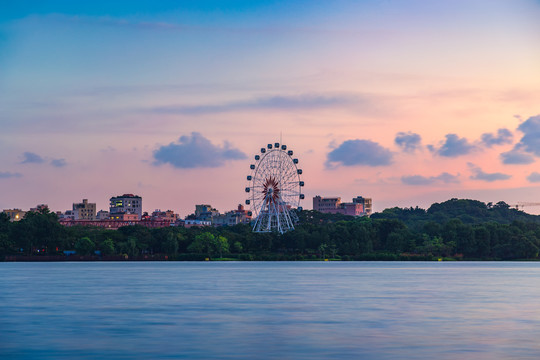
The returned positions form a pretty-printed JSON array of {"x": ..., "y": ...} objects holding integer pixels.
[{"x": 466, "y": 210}]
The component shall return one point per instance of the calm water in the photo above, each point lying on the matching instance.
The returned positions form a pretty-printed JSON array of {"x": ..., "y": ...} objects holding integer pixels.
[{"x": 270, "y": 310}]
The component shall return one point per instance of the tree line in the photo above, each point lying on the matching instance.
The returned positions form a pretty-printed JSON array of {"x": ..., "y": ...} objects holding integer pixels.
[{"x": 455, "y": 229}]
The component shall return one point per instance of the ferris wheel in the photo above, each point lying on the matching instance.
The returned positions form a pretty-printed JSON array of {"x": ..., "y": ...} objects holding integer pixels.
[{"x": 274, "y": 189}]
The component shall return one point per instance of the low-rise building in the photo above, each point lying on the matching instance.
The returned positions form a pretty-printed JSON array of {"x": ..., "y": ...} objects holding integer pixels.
[
  {"x": 40, "y": 208},
  {"x": 164, "y": 215},
  {"x": 205, "y": 212},
  {"x": 360, "y": 206},
  {"x": 234, "y": 217},
  {"x": 68, "y": 215},
  {"x": 14, "y": 214},
  {"x": 190, "y": 223},
  {"x": 123, "y": 216},
  {"x": 102, "y": 215},
  {"x": 84, "y": 210},
  {"x": 326, "y": 204}
]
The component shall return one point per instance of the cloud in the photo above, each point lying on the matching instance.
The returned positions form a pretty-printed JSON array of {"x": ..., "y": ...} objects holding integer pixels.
[
  {"x": 195, "y": 151},
  {"x": 530, "y": 142},
  {"x": 503, "y": 136},
  {"x": 453, "y": 146},
  {"x": 478, "y": 174},
  {"x": 444, "y": 178},
  {"x": 534, "y": 177},
  {"x": 58, "y": 162},
  {"x": 516, "y": 157},
  {"x": 306, "y": 101},
  {"x": 32, "y": 158},
  {"x": 408, "y": 141},
  {"x": 359, "y": 152},
  {"x": 7, "y": 175}
]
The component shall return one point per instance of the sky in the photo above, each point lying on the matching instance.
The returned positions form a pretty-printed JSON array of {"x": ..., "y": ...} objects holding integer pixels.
[{"x": 407, "y": 102}]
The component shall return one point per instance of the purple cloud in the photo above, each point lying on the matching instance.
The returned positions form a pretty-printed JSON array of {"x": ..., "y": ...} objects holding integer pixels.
[
  {"x": 58, "y": 162},
  {"x": 516, "y": 157},
  {"x": 306, "y": 101},
  {"x": 534, "y": 177},
  {"x": 408, "y": 141},
  {"x": 479, "y": 174},
  {"x": 32, "y": 158},
  {"x": 503, "y": 136},
  {"x": 359, "y": 153},
  {"x": 454, "y": 146},
  {"x": 7, "y": 175},
  {"x": 444, "y": 178},
  {"x": 196, "y": 151},
  {"x": 530, "y": 142}
]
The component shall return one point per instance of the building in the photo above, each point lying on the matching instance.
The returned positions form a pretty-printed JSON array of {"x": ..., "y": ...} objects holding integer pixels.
[
  {"x": 327, "y": 204},
  {"x": 190, "y": 223},
  {"x": 102, "y": 215},
  {"x": 332, "y": 205},
  {"x": 164, "y": 215},
  {"x": 84, "y": 210},
  {"x": 234, "y": 217},
  {"x": 122, "y": 216},
  {"x": 40, "y": 208},
  {"x": 116, "y": 224},
  {"x": 367, "y": 204},
  {"x": 205, "y": 212},
  {"x": 127, "y": 203},
  {"x": 14, "y": 214},
  {"x": 68, "y": 215}
]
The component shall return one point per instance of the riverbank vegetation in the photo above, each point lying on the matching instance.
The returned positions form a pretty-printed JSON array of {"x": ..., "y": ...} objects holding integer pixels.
[{"x": 457, "y": 229}]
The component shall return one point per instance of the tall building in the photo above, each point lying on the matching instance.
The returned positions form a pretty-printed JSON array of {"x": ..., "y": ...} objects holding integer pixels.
[
  {"x": 127, "y": 204},
  {"x": 84, "y": 210}
]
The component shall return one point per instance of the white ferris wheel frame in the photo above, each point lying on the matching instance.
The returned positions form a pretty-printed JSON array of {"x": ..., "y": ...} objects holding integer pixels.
[{"x": 271, "y": 211}]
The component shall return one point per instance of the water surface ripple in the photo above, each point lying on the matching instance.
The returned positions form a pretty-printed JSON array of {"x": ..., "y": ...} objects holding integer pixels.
[{"x": 270, "y": 310}]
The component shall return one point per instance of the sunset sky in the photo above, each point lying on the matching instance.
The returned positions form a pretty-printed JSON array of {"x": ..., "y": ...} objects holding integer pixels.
[{"x": 406, "y": 102}]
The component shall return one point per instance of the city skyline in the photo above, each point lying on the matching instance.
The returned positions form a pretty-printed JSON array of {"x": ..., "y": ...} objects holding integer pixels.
[{"x": 408, "y": 103}]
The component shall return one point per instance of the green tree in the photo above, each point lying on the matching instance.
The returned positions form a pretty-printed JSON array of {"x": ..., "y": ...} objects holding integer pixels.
[
  {"x": 204, "y": 243},
  {"x": 237, "y": 246},
  {"x": 171, "y": 244},
  {"x": 322, "y": 250},
  {"x": 222, "y": 245},
  {"x": 107, "y": 247},
  {"x": 85, "y": 246},
  {"x": 6, "y": 245}
]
